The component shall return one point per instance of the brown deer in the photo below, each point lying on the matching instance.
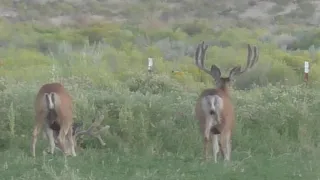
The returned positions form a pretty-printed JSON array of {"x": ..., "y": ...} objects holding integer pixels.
[
  {"x": 214, "y": 109},
  {"x": 53, "y": 109}
]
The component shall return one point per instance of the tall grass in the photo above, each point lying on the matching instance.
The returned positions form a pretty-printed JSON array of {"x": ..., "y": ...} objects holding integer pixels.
[{"x": 153, "y": 125}]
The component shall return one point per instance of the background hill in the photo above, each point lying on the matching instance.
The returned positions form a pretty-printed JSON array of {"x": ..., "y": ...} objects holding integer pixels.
[{"x": 99, "y": 49}]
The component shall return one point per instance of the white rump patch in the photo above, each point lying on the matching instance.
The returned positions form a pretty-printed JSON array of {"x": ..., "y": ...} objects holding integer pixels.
[
  {"x": 49, "y": 100},
  {"x": 212, "y": 103},
  {"x": 52, "y": 100},
  {"x": 211, "y": 106}
]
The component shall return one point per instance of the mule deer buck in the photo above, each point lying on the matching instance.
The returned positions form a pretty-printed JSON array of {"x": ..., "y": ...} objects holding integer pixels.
[
  {"x": 53, "y": 108},
  {"x": 214, "y": 109},
  {"x": 94, "y": 130}
]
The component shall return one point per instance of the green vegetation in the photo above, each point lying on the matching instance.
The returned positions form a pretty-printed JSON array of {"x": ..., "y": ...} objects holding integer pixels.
[{"x": 153, "y": 133}]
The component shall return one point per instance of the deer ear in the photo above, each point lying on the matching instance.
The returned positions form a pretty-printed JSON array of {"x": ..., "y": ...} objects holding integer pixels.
[
  {"x": 234, "y": 71},
  {"x": 215, "y": 72}
]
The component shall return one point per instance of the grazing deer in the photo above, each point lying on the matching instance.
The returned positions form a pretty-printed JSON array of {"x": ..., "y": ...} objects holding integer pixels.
[
  {"x": 214, "y": 109},
  {"x": 94, "y": 130},
  {"x": 53, "y": 109}
]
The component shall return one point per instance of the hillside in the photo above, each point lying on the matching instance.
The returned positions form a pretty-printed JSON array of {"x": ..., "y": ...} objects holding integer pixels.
[{"x": 164, "y": 12}]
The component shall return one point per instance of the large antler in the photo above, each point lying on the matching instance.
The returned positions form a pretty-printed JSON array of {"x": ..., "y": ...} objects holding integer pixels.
[
  {"x": 95, "y": 129},
  {"x": 200, "y": 56},
  {"x": 252, "y": 59}
]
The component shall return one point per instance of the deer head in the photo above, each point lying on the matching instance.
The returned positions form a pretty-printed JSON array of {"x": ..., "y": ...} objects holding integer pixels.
[
  {"x": 94, "y": 130},
  {"x": 215, "y": 73}
]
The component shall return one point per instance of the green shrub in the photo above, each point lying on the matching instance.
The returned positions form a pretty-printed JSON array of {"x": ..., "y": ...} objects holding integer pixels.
[{"x": 154, "y": 112}]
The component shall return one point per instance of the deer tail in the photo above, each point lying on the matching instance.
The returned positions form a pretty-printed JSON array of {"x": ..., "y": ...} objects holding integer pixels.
[{"x": 52, "y": 100}]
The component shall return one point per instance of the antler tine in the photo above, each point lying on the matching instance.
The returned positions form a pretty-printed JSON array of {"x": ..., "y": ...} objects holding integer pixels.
[
  {"x": 84, "y": 131},
  {"x": 256, "y": 57},
  {"x": 200, "y": 57},
  {"x": 312, "y": 54},
  {"x": 252, "y": 58},
  {"x": 95, "y": 123}
]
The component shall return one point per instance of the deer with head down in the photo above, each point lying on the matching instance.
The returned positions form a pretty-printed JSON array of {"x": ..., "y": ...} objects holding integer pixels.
[
  {"x": 214, "y": 109},
  {"x": 53, "y": 109}
]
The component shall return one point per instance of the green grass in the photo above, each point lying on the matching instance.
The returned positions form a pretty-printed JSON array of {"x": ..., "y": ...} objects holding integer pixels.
[
  {"x": 276, "y": 136},
  {"x": 103, "y": 164}
]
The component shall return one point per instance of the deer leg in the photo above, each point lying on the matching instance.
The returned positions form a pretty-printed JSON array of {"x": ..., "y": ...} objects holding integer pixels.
[
  {"x": 220, "y": 147},
  {"x": 52, "y": 144},
  {"x": 215, "y": 147},
  {"x": 35, "y": 133},
  {"x": 100, "y": 140},
  {"x": 71, "y": 142},
  {"x": 34, "y": 139},
  {"x": 226, "y": 145},
  {"x": 62, "y": 140},
  {"x": 205, "y": 148},
  {"x": 207, "y": 136}
]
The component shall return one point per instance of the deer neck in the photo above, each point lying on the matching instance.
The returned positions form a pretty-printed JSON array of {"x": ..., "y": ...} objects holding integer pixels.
[{"x": 225, "y": 90}]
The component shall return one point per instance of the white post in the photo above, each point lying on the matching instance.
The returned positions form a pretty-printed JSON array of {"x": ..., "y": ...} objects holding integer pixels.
[
  {"x": 306, "y": 67},
  {"x": 150, "y": 64},
  {"x": 306, "y": 71}
]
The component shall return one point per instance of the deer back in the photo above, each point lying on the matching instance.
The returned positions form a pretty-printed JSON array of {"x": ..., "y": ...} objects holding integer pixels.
[{"x": 63, "y": 103}]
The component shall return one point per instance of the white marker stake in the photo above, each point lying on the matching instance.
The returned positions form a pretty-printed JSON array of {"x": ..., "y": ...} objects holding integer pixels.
[
  {"x": 306, "y": 67},
  {"x": 150, "y": 64},
  {"x": 306, "y": 71}
]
